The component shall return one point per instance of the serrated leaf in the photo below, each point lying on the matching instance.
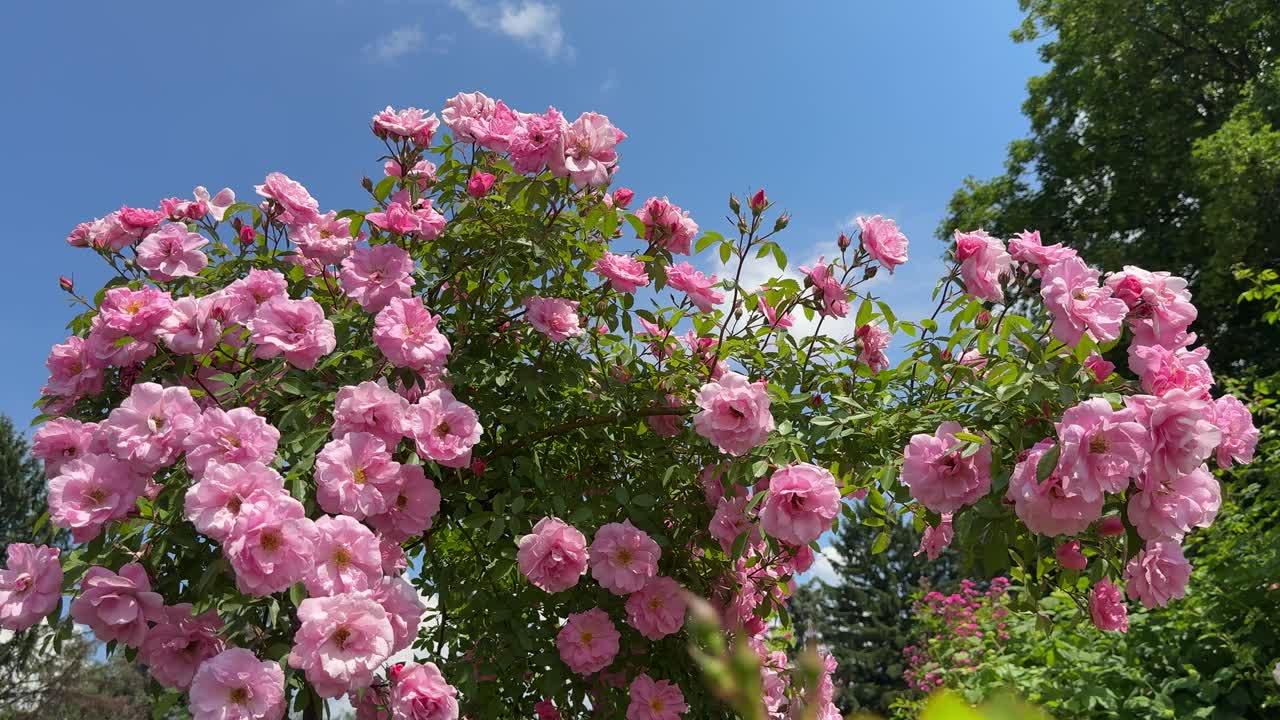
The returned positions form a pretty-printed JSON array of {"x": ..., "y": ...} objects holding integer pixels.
[{"x": 1048, "y": 461}]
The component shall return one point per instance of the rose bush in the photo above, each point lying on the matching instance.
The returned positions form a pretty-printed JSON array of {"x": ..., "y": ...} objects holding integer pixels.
[{"x": 555, "y": 437}]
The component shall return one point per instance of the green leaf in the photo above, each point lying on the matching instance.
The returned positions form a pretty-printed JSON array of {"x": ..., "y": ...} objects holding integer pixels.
[
  {"x": 881, "y": 543},
  {"x": 1048, "y": 461},
  {"x": 383, "y": 189}
]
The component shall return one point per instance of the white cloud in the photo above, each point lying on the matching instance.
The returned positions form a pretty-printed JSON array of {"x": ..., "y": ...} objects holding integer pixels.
[
  {"x": 610, "y": 81},
  {"x": 396, "y": 43},
  {"x": 823, "y": 569},
  {"x": 534, "y": 23}
]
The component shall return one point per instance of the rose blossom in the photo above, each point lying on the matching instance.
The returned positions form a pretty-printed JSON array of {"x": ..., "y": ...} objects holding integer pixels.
[
  {"x": 237, "y": 303},
  {"x": 667, "y": 425},
  {"x": 172, "y": 252},
  {"x": 1159, "y": 304},
  {"x": 342, "y": 641},
  {"x": 553, "y": 556},
  {"x": 411, "y": 510},
  {"x": 30, "y": 585},
  {"x": 1026, "y": 247},
  {"x": 297, "y": 207},
  {"x": 834, "y": 295},
  {"x": 624, "y": 273},
  {"x": 936, "y": 539},
  {"x": 734, "y": 413},
  {"x": 1100, "y": 368},
  {"x": 72, "y": 370},
  {"x": 1160, "y": 369},
  {"x": 698, "y": 287},
  {"x": 328, "y": 241},
  {"x": 213, "y": 503},
  {"x": 217, "y": 204},
  {"x": 134, "y": 313},
  {"x": 771, "y": 313},
  {"x": 667, "y": 226},
  {"x": 1106, "y": 607},
  {"x": 874, "y": 341},
  {"x": 623, "y": 558},
  {"x": 90, "y": 492},
  {"x": 536, "y": 143},
  {"x": 407, "y": 334},
  {"x": 356, "y": 476},
  {"x": 802, "y": 502},
  {"x": 1101, "y": 448},
  {"x": 295, "y": 328},
  {"x": 1167, "y": 511},
  {"x": 346, "y": 558},
  {"x": 655, "y": 700},
  {"x": 1079, "y": 305},
  {"x": 939, "y": 476},
  {"x": 271, "y": 545},
  {"x": 238, "y": 436},
  {"x": 60, "y": 441},
  {"x": 731, "y": 520},
  {"x": 191, "y": 328},
  {"x": 372, "y": 276},
  {"x": 235, "y": 685},
  {"x": 588, "y": 641},
  {"x": 883, "y": 241},
  {"x": 179, "y": 643},
  {"x": 412, "y": 124},
  {"x": 421, "y": 693},
  {"x": 983, "y": 261},
  {"x": 404, "y": 609},
  {"x": 480, "y": 184},
  {"x": 556, "y": 318},
  {"x": 1157, "y": 574},
  {"x": 1239, "y": 436},
  {"x": 1069, "y": 556},
  {"x": 444, "y": 429},
  {"x": 394, "y": 561},
  {"x": 117, "y": 606},
  {"x": 588, "y": 150},
  {"x": 373, "y": 408},
  {"x": 1182, "y": 431},
  {"x": 148, "y": 427},
  {"x": 467, "y": 115},
  {"x": 657, "y": 609},
  {"x": 1052, "y": 507}
]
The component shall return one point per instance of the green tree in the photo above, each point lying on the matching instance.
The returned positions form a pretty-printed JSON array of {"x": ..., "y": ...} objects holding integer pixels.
[
  {"x": 1152, "y": 144},
  {"x": 21, "y": 485}
]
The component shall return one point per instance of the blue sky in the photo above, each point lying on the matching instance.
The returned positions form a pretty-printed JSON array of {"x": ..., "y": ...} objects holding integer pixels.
[{"x": 837, "y": 108}]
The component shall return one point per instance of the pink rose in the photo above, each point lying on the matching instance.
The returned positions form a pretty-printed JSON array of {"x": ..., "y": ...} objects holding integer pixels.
[
  {"x": 655, "y": 700},
  {"x": 179, "y": 643},
  {"x": 272, "y": 544},
  {"x": 1026, "y": 247},
  {"x": 657, "y": 610},
  {"x": 444, "y": 429},
  {"x": 1069, "y": 556},
  {"x": 802, "y": 502},
  {"x": 172, "y": 252},
  {"x": 73, "y": 373},
  {"x": 408, "y": 335},
  {"x": 1079, "y": 305},
  {"x": 1168, "y": 511},
  {"x": 238, "y": 436},
  {"x": 327, "y": 242},
  {"x": 1160, "y": 369},
  {"x": 148, "y": 428},
  {"x": 883, "y": 241},
  {"x": 467, "y": 115},
  {"x": 936, "y": 539},
  {"x": 416, "y": 126},
  {"x": 296, "y": 205},
  {"x": 589, "y": 153},
  {"x": 371, "y": 407},
  {"x": 1106, "y": 607},
  {"x": 30, "y": 585},
  {"x": 235, "y": 685},
  {"x": 734, "y": 413},
  {"x": 421, "y": 693},
  {"x": 480, "y": 184},
  {"x": 1239, "y": 436},
  {"x": 624, "y": 273},
  {"x": 874, "y": 341},
  {"x": 1098, "y": 367},
  {"x": 342, "y": 641},
  {"x": 295, "y": 328},
  {"x": 588, "y": 641},
  {"x": 372, "y": 276},
  {"x": 117, "y": 607},
  {"x": 410, "y": 512},
  {"x": 213, "y": 503},
  {"x": 556, "y": 318},
  {"x": 553, "y": 556},
  {"x": 666, "y": 225},
  {"x": 238, "y": 302},
  {"x": 356, "y": 476},
  {"x": 731, "y": 520},
  {"x": 62, "y": 440},
  {"x": 394, "y": 561},
  {"x": 1157, "y": 574},
  {"x": 138, "y": 314},
  {"x": 828, "y": 289},
  {"x": 404, "y": 609},
  {"x": 1101, "y": 449},
  {"x": 983, "y": 261},
  {"x": 940, "y": 477},
  {"x": 1182, "y": 431},
  {"x": 623, "y": 558},
  {"x": 92, "y": 491},
  {"x": 191, "y": 328},
  {"x": 217, "y": 204},
  {"x": 1160, "y": 309},
  {"x": 537, "y": 142},
  {"x": 667, "y": 425},
  {"x": 1052, "y": 507},
  {"x": 347, "y": 557}
]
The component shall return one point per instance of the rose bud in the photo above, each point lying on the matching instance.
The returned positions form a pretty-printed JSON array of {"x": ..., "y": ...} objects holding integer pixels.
[
  {"x": 247, "y": 234},
  {"x": 758, "y": 202},
  {"x": 983, "y": 320},
  {"x": 66, "y": 284},
  {"x": 843, "y": 241}
]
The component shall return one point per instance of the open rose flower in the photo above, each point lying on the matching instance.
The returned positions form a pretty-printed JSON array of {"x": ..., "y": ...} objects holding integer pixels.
[
  {"x": 296, "y": 329},
  {"x": 356, "y": 476},
  {"x": 983, "y": 261},
  {"x": 624, "y": 273},
  {"x": 407, "y": 334},
  {"x": 1157, "y": 574},
  {"x": 30, "y": 585},
  {"x": 347, "y": 557},
  {"x": 655, "y": 699},
  {"x": 179, "y": 643},
  {"x": 118, "y": 606},
  {"x": 553, "y": 556},
  {"x": 556, "y": 318},
  {"x": 623, "y": 557},
  {"x": 883, "y": 241},
  {"x": 802, "y": 502},
  {"x": 657, "y": 610},
  {"x": 421, "y": 693},
  {"x": 90, "y": 492},
  {"x": 236, "y": 685},
  {"x": 172, "y": 252},
  {"x": 372, "y": 276},
  {"x": 342, "y": 641},
  {"x": 733, "y": 413},
  {"x": 411, "y": 511},
  {"x": 588, "y": 641},
  {"x": 940, "y": 475},
  {"x": 296, "y": 206},
  {"x": 444, "y": 429},
  {"x": 272, "y": 544}
]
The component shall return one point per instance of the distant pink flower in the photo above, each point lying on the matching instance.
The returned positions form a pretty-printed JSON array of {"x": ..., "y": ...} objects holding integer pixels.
[
  {"x": 444, "y": 429},
  {"x": 297, "y": 207},
  {"x": 1098, "y": 367},
  {"x": 936, "y": 539},
  {"x": 1161, "y": 369},
  {"x": 468, "y": 115},
  {"x": 802, "y": 502},
  {"x": 657, "y": 610},
  {"x": 1111, "y": 526},
  {"x": 1169, "y": 510},
  {"x": 148, "y": 428},
  {"x": 1106, "y": 607},
  {"x": 407, "y": 334},
  {"x": 394, "y": 561},
  {"x": 480, "y": 184},
  {"x": 731, "y": 520},
  {"x": 655, "y": 700},
  {"x": 412, "y": 124},
  {"x": 667, "y": 425},
  {"x": 557, "y": 318},
  {"x": 733, "y": 413},
  {"x": 421, "y": 693},
  {"x": 588, "y": 641},
  {"x": 875, "y": 340},
  {"x": 272, "y": 544},
  {"x": 404, "y": 609},
  {"x": 213, "y": 503},
  {"x": 411, "y": 510},
  {"x": 346, "y": 558},
  {"x": 1054, "y": 506},
  {"x": 771, "y": 313},
  {"x": 1026, "y": 247},
  {"x": 327, "y": 242},
  {"x": 238, "y": 436},
  {"x": 30, "y": 585},
  {"x": 1102, "y": 449},
  {"x": 546, "y": 710},
  {"x": 834, "y": 295},
  {"x": 666, "y": 225},
  {"x": 712, "y": 479},
  {"x": 117, "y": 606},
  {"x": 295, "y": 328},
  {"x": 172, "y": 252},
  {"x": 356, "y": 476},
  {"x": 1069, "y": 556},
  {"x": 939, "y": 476},
  {"x": 553, "y": 556},
  {"x": 1182, "y": 431},
  {"x": 109, "y": 233},
  {"x": 179, "y": 643},
  {"x": 372, "y": 276},
  {"x": 883, "y": 241},
  {"x": 1079, "y": 304},
  {"x": 235, "y": 685},
  {"x": 1160, "y": 309},
  {"x": 588, "y": 150},
  {"x": 1239, "y": 436},
  {"x": 983, "y": 260},
  {"x": 90, "y": 492},
  {"x": 1157, "y": 574},
  {"x": 139, "y": 221},
  {"x": 623, "y": 557},
  {"x": 73, "y": 372},
  {"x": 217, "y": 204},
  {"x": 342, "y": 641},
  {"x": 62, "y": 440},
  {"x": 624, "y": 273},
  {"x": 373, "y": 408},
  {"x": 536, "y": 143},
  {"x": 239, "y": 301}
]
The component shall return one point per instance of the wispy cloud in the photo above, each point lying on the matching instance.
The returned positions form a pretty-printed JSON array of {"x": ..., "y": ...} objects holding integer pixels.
[
  {"x": 610, "y": 81},
  {"x": 396, "y": 43},
  {"x": 534, "y": 23}
]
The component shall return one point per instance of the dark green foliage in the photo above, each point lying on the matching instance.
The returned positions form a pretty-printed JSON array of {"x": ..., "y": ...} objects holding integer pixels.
[{"x": 21, "y": 487}]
